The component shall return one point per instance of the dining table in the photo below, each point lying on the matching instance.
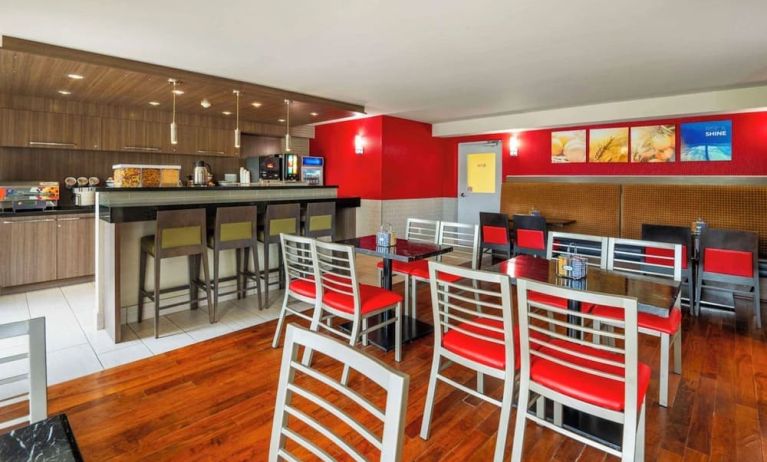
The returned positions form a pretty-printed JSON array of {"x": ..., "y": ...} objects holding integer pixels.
[
  {"x": 403, "y": 251},
  {"x": 654, "y": 295},
  {"x": 553, "y": 222},
  {"x": 50, "y": 440}
]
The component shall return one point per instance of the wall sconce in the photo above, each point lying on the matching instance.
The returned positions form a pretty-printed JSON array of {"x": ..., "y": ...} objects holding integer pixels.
[
  {"x": 514, "y": 145},
  {"x": 359, "y": 144}
]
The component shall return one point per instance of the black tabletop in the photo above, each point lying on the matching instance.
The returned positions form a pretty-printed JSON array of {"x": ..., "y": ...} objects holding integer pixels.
[
  {"x": 50, "y": 440},
  {"x": 404, "y": 250},
  {"x": 654, "y": 295},
  {"x": 553, "y": 222}
]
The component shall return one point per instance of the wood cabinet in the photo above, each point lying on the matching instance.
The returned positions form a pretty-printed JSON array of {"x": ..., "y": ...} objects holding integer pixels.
[
  {"x": 75, "y": 252},
  {"x": 45, "y": 248},
  {"x": 30, "y": 251},
  {"x": 49, "y": 130},
  {"x": 205, "y": 141},
  {"x": 135, "y": 135}
]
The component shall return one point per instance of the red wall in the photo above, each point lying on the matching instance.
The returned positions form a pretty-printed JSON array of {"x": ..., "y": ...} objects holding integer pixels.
[
  {"x": 749, "y": 146},
  {"x": 354, "y": 174},
  {"x": 401, "y": 159}
]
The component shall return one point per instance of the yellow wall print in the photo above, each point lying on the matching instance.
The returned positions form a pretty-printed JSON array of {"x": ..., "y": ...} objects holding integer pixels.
[
  {"x": 609, "y": 145},
  {"x": 568, "y": 146},
  {"x": 653, "y": 143},
  {"x": 480, "y": 172}
]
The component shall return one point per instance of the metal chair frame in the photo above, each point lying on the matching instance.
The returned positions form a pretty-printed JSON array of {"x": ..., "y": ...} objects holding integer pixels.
[
  {"x": 676, "y": 235},
  {"x": 336, "y": 271},
  {"x": 532, "y": 315},
  {"x": 559, "y": 242},
  {"x": 392, "y": 382},
  {"x": 37, "y": 395},
  {"x": 631, "y": 259},
  {"x": 729, "y": 240},
  {"x": 452, "y": 308}
]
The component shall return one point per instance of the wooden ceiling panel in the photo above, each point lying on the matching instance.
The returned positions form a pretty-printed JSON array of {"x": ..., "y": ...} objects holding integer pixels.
[{"x": 34, "y": 69}]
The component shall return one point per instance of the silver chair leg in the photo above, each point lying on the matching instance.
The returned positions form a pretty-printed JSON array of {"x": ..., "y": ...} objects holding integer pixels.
[
  {"x": 355, "y": 333},
  {"x": 640, "y": 439},
  {"x": 430, "y": 392},
  {"x": 519, "y": 426},
  {"x": 663, "y": 382},
  {"x": 503, "y": 425},
  {"x": 280, "y": 321},
  {"x": 398, "y": 333}
]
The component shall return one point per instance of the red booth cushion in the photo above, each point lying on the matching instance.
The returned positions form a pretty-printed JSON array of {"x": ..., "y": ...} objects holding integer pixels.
[
  {"x": 668, "y": 253},
  {"x": 732, "y": 262},
  {"x": 495, "y": 235},
  {"x": 667, "y": 325},
  {"x": 599, "y": 391},
  {"x": 372, "y": 298},
  {"x": 531, "y": 239}
]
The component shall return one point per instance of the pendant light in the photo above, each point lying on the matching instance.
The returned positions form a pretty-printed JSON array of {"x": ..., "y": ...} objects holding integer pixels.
[
  {"x": 237, "y": 128},
  {"x": 287, "y": 125},
  {"x": 173, "y": 130}
]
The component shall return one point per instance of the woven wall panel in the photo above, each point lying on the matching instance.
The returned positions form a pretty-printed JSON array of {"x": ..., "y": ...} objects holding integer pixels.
[
  {"x": 595, "y": 207},
  {"x": 721, "y": 206}
]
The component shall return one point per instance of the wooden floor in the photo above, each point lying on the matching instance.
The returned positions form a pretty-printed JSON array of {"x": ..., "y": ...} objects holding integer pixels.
[{"x": 214, "y": 401}]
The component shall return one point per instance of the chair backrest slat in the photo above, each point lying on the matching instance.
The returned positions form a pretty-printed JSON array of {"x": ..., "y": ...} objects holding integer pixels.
[
  {"x": 420, "y": 230},
  {"x": 650, "y": 258},
  {"x": 393, "y": 383},
  {"x": 337, "y": 271},
  {"x": 463, "y": 238},
  {"x": 33, "y": 371},
  {"x": 297, "y": 257},
  {"x": 594, "y": 248}
]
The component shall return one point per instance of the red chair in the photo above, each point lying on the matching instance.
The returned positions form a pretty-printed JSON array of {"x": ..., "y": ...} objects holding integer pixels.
[
  {"x": 729, "y": 262},
  {"x": 530, "y": 233},
  {"x": 608, "y": 382},
  {"x": 418, "y": 230},
  {"x": 677, "y": 235},
  {"x": 494, "y": 236},
  {"x": 660, "y": 260},
  {"x": 340, "y": 295},
  {"x": 478, "y": 335},
  {"x": 300, "y": 283}
]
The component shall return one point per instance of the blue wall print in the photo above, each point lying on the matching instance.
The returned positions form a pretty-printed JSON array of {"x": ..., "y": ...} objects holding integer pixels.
[{"x": 702, "y": 141}]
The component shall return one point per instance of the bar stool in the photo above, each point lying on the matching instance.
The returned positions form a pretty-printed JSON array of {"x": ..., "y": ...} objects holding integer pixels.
[
  {"x": 179, "y": 233},
  {"x": 320, "y": 220},
  {"x": 280, "y": 218},
  {"x": 235, "y": 228}
]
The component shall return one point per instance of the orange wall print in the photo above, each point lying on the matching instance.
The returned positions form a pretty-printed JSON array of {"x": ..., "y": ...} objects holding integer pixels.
[{"x": 609, "y": 145}]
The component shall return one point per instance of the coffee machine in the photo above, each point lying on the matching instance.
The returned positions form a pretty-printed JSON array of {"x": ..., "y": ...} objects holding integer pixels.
[{"x": 278, "y": 167}]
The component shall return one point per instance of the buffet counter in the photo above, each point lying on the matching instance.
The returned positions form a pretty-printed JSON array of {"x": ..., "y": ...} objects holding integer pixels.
[{"x": 124, "y": 215}]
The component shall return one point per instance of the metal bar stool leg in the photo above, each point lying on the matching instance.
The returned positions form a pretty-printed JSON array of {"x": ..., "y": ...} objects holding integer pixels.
[
  {"x": 216, "y": 261},
  {"x": 256, "y": 272},
  {"x": 141, "y": 283},
  {"x": 157, "y": 297}
]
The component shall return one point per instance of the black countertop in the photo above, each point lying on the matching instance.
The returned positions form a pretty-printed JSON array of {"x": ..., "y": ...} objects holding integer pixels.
[
  {"x": 61, "y": 210},
  {"x": 215, "y": 188},
  {"x": 131, "y": 213},
  {"x": 49, "y": 440}
]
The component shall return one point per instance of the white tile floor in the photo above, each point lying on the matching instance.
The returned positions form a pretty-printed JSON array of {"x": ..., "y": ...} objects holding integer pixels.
[{"x": 76, "y": 348}]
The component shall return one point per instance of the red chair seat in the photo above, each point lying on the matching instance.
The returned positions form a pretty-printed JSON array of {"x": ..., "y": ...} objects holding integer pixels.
[
  {"x": 303, "y": 287},
  {"x": 481, "y": 351},
  {"x": 531, "y": 239},
  {"x": 590, "y": 388},
  {"x": 731, "y": 262},
  {"x": 648, "y": 321},
  {"x": 495, "y": 235},
  {"x": 372, "y": 298}
]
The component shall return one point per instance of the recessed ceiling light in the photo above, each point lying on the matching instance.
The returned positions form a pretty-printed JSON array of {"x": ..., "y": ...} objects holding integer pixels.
[
  {"x": 205, "y": 103},
  {"x": 65, "y": 92},
  {"x": 255, "y": 104},
  {"x": 314, "y": 114},
  {"x": 226, "y": 112},
  {"x": 154, "y": 103},
  {"x": 280, "y": 120},
  {"x": 75, "y": 76}
]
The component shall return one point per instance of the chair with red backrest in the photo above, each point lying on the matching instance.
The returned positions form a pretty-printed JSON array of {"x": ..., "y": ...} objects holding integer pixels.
[
  {"x": 300, "y": 281},
  {"x": 729, "y": 262},
  {"x": 417, "y": 230},
  {"x": 530, "y": 235},
  {"x": 600, "y": 380},
  {"x": 478, "y": 335},
  {"x": 342, "y": 296},
  {"x": 494, "y": 236},
  {"x": 676, "y": 235},
  {"x": 657, "y": 260},
  {"x": 329, "y": 408}
]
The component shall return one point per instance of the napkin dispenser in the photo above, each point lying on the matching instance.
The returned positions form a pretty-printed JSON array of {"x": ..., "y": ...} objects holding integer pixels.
[{"x": 572, "y": 266}]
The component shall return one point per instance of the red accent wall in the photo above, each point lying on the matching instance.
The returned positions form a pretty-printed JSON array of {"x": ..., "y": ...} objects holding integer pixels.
[
  {"x": 749, "y": 146},
  {"x": 402, "y": 160},
  {"x": 355, "y": 174}
]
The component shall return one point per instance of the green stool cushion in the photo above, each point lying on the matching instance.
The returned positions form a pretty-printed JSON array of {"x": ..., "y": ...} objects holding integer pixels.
[
  {"x": 283, "y": 225},
  {"x": 320, "y": 222}
]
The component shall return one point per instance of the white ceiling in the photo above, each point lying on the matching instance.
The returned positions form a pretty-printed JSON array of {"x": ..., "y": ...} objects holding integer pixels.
[{"x": 433, "y": 60}]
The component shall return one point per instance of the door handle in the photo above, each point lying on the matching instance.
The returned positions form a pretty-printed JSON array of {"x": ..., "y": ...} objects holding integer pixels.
[{"x": 463, "y": 194}]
